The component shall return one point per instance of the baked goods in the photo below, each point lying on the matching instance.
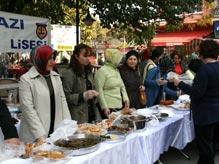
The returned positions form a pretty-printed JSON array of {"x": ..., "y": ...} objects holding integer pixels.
[
  {"x": 91, "y": 129},
  {"x": 166, "y": 102},
  {"x": 49, "y": 154},
  {"x": 126, "y": 110}
]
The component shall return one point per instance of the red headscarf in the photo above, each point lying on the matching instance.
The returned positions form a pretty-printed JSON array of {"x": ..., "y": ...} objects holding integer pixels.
[{"x": 40, "y": 60}]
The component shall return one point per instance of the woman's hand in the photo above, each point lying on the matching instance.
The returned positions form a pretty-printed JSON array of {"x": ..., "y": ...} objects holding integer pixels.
[
  {"x": 174, "y": 81},
  {"x": 90, "y": 94},
  {"x": 40, "y": 141},
  {"x": 106, "y": 112},
  {"x": 161, "y": 81},
  {"x": 142, "y": 88},
  {"x": 127, "y": 104},
  {"x": 13, "y": 141}
]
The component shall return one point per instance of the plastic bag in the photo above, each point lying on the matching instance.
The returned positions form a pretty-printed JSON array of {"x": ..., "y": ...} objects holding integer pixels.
[{"x": 65, "y": 129}]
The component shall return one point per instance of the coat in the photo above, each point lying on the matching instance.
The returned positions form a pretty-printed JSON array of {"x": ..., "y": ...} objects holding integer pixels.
[
  {"x": 6, "y": 122},
  {"x": 132, "y": 81},
  {"x": 110, "y": 86},
  {"x": 35, "y": 104},
  {"x": 74, "y": 87}
]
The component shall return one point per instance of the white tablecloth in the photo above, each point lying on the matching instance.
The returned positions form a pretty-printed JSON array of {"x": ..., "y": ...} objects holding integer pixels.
[
  {"x": 177, "y": 131},
  {"x": 143, "y": 147},
  {"x": 147, "y": 146}
]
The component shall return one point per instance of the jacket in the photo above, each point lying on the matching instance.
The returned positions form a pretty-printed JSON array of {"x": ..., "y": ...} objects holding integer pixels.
[
  {"x": 132, "y": 81},
  {"x": 35, "y": 104},
  {"x": 6, "y": 122},
  {"x": 110, "y": 86},
  {"x": 74, "y": 87},
  {"x": 205, "y": 95}
]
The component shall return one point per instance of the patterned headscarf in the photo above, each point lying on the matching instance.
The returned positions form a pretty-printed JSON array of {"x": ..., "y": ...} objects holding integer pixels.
[{"x": 40, "y": 56}]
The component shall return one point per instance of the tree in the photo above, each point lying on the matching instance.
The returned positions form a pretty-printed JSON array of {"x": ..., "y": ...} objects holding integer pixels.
[{"x": 141, "y": 16}]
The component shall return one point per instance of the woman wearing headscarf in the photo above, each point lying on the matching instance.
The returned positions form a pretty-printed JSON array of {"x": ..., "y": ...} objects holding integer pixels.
[
  {"x": 42, "y": 100},
  {"x": 109, "y": 84},
  {"x": 79, "y": 86},
  {"x": 131, "y": 78}
]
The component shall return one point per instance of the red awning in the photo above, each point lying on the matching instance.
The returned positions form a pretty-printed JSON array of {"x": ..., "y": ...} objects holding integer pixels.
[{"x": 178, "y": 38}]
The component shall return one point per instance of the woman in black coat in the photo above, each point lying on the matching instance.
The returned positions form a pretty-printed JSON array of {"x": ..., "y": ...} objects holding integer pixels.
[
  {"x": 204, "y": 96},
  {"x": 131, "y": 78},
  {"x": 7, "y": 125}
]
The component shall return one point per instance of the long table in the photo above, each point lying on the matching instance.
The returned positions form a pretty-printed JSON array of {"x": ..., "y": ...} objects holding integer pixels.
[{"x": 143, "y": 147}]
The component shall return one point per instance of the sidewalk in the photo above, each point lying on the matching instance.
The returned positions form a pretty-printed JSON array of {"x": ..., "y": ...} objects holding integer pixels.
[{"x": 173, "y": 156}]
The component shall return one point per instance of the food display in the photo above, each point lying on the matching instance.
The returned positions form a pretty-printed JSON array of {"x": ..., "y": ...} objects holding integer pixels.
[
  {"x": 166, "y": 102},
  {"x": 126, "y": 110},
  {"x": 91, "y": 129},
  {"x": 139, "y": 121},
  {"x": 119, "y": 129},
  {"x": 49, "y": 154},
  {"x": 77, "y": 143}
]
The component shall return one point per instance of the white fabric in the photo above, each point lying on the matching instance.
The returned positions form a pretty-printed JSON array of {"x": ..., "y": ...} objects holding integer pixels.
[{"x": 144, "y": 147}]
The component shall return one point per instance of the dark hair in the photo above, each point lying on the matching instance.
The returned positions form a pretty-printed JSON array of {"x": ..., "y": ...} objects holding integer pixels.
[
  {"x": 209, "y": 49},
  {"x": 131, "y": 53},
  {"x": 165, "y": 64},
  {"x": 145, "y": 54},
  {"x": 76, "y": 67},
  {"x": 175, "y": 52},
  {"x": 195, "y": 64},
  {"x": 156, "y": 53}
]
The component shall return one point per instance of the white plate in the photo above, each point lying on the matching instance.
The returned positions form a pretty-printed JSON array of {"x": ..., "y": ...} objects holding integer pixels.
[{"x": 179, "y": 107}]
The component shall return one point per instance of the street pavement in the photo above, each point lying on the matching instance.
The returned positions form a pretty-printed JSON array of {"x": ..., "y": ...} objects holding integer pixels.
[{"x": 173, "y": 156}]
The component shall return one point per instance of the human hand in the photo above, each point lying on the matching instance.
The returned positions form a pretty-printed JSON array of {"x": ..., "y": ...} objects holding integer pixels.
[
  {"x": 40, "y": 141},
  {"x": 90, "y": 94},
  {"x": 161, "y": 81},
  {"x": 127, "y": 104},
  {"x": 176, "y": 82},
  {"x": 13, "y": 141},
  {"x": 142, "y": 88},
  {"x": 106, "y": 112}
]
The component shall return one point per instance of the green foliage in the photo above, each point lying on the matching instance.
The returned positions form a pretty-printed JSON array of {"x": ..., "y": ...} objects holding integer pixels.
[
  {"x": 134, "y": 19},
  {"x": 141, "y": 16}
]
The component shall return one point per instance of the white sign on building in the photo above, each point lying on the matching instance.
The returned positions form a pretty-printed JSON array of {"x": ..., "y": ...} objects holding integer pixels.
[
  {"x": 21, "y": 33},
  {"x": 63, "y": 38}
]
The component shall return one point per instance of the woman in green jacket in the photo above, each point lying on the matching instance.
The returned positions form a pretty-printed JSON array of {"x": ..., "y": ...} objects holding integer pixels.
[{"x": 109, "y": 84}]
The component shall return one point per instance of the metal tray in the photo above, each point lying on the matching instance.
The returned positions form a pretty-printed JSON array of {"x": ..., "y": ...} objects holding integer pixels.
[{"x": 80, "y": 151}]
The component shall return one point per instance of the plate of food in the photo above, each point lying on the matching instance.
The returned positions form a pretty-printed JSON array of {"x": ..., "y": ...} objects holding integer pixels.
[
  {"x": 91, "y": 129},
  {"x": 181, "y": 106},
  {"x": 79, "y": 144}
]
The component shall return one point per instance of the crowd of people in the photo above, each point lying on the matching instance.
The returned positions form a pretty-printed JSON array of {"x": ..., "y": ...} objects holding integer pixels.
[{"x": 83, "y": 95}]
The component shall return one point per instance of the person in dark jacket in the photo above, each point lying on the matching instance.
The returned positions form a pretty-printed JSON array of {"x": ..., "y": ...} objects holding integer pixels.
[
  {"x": 204, "y": 96},
  {"x": 7, "y": 125},
  {"x": 131, "y": 78}
]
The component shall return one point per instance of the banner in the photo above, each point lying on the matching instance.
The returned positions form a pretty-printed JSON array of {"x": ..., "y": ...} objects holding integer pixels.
[
  {"x": 63, "y": 38},
  {"x": 20, "y": 33}
]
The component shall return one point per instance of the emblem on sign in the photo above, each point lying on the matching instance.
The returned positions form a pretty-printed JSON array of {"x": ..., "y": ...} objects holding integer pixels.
[{"x": 41, "y": 30}]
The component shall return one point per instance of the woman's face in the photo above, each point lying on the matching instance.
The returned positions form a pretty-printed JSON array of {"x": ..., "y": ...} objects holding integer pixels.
[
  {"x": 83, "y": 57},
  {"x": 51, "y": 63},
  {"x": 132, "y": 61},
  {"x": 176, "y": 59}
]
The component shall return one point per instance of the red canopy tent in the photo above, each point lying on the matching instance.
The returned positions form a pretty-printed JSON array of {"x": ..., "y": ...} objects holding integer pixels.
[{"x": 178, "y": 38}]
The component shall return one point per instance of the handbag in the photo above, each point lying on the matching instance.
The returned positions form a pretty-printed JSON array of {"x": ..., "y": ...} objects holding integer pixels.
[{"x": 142, "y": 98}]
